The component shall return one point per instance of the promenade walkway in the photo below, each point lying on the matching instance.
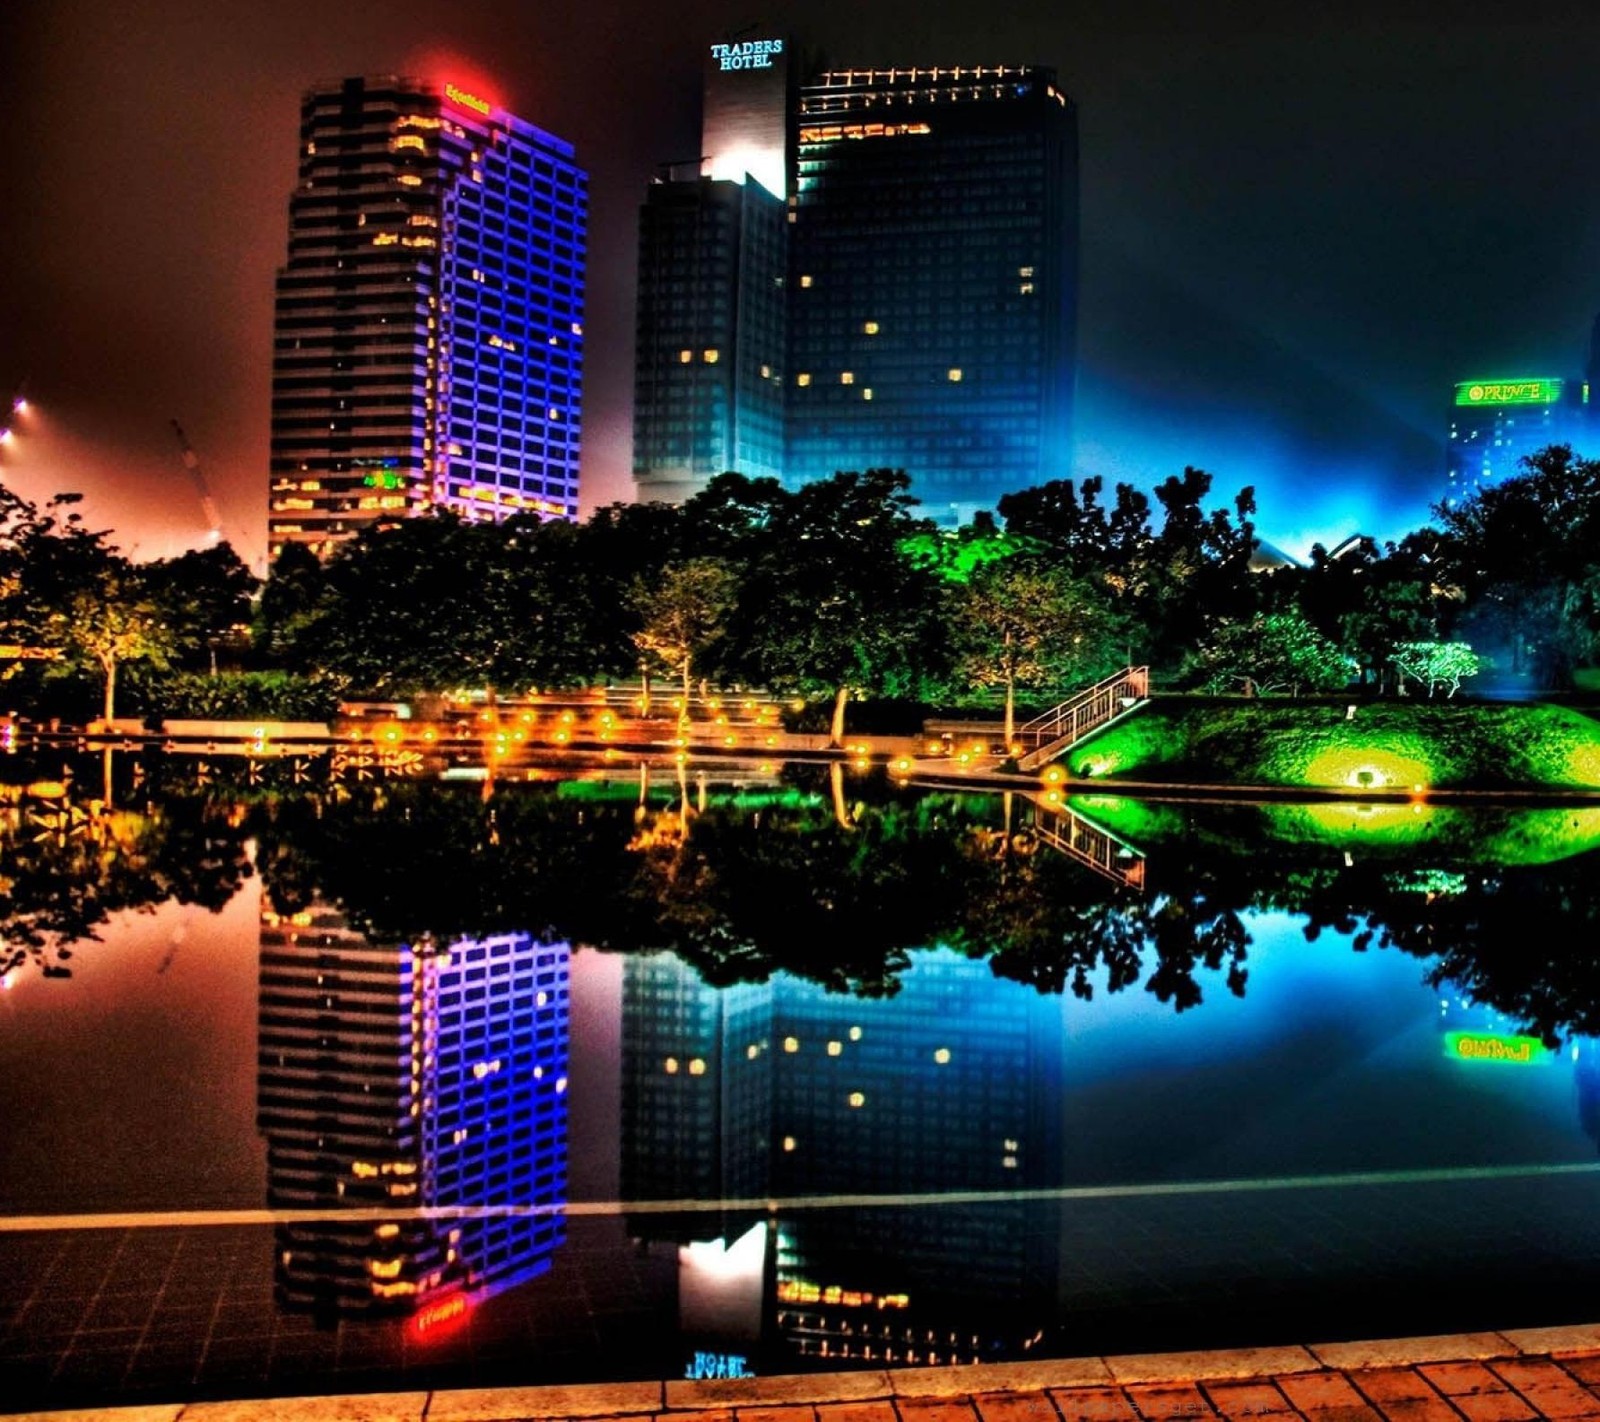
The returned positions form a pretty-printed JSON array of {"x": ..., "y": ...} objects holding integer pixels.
[{"x": 1516, "y": 1376}]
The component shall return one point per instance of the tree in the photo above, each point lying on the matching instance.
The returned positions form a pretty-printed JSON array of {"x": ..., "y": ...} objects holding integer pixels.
[
  {"x": 1445, "y": 664},
  {"x": 112, "y": 621},
  {"x": 682, "y": 614},
  {"x": 204, "y": 596},
  {"x": 1271, "y": 652},
  {"x": 288, "y": 599},
  {"x": 1024, "y": 622}
]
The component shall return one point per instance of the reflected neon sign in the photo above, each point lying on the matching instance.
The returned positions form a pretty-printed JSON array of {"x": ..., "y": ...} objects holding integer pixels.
[
  {"x": 438, "y": 1314},
  {"x": 1493, "y": 1047}
]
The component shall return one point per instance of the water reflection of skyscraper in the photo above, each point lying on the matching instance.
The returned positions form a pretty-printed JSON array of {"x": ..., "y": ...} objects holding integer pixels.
[
  {"x": 411, "y": 1075},
  {"x": 787, "y": 1090}
]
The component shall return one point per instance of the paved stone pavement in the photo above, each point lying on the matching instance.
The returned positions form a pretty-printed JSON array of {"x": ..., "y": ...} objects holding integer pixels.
[{"x": 1521, "y": 1375}]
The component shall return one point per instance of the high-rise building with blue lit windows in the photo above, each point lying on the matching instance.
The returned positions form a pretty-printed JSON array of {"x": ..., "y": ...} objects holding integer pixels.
[
  {"x": 411, "y": 1076},
  {"x": 428, "y": 338}
]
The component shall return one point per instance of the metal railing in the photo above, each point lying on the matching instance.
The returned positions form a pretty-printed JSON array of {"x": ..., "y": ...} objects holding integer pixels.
[
  {"x": 1071, "y": 834},
  {"x": 1063, "y": 726}
]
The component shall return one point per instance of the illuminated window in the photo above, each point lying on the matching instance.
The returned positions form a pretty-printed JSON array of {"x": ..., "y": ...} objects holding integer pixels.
[
  {"x": 1024, "y": 271},
  {"x": 766, "y": 372},
  {"x": 857, "y": 1099},
  {"x": 684, "y": 357},
  {"x": 847, "y": 377},
  {"x": 804, "y": 378},
  {"x": 834, "y": 1048},
  {"x": 791, "y": 1044},
  {"x": 942, "y": 1055},
  {"x": 805, "y": 281},
  {"x": 1026, "y": 288},
  {"x": 788, "y": 1142},
  {"x": 955, "y": 374},
  {"x": 697, "y": 1066},
  {"x": 671, "y": 1065},
  {"x": 409, "y": 180},
  {"x": 752, "y": 1051},
  {"x": 410, "y": 140},
  {"x": 711, "y": 357},
  {"x": 867, "y": 393},
  {"x": 870, "y": 328},
  {"x": 855, "y": 1034},
  {"x": 1009, "y": 1162}
]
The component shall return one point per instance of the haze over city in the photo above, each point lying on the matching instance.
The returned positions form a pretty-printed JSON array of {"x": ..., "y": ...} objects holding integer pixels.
[{"x": 1298, "y": 226}]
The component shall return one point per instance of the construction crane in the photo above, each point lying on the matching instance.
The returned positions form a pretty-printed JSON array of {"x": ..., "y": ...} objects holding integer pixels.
[{"x": 208, "y": 505}]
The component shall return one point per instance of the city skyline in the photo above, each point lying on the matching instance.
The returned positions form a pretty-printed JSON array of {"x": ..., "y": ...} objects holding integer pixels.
[{"x": 1278, "y": 285}]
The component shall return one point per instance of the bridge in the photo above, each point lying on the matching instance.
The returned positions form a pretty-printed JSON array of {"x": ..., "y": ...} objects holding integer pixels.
[{"x": 1062, "y": 727}]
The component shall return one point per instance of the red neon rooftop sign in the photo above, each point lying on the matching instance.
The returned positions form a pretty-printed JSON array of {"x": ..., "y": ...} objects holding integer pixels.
[{"x": 466, "y": 100}]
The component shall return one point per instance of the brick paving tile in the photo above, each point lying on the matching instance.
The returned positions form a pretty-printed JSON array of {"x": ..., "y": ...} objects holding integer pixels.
[
  {"x": 1093, "y": 1404},
  {"x": 1494, "y": 1407},
  {"x": 1015, "y": 1407},
  {"x": 855, "y": 1412},
  {"x": 1552, "y": 1392},
  {"x": 1394, "y": 1385},
  {"x": 805, "y": 1413},
  {"x": 916, "y": 1409},
  {"x": 1461, "y": 1379},
  {"x": 1316, "y": 1393},
  {"x": 710, "y": 1414},
  {"x": 1586, "y": 1369},
  {"x": 1168, "y": 1402},
  {"x": 1247, "y": 1399}
]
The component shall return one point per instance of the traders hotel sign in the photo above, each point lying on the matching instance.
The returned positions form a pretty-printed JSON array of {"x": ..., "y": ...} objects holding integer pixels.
[{"x": 751, "y": 54}]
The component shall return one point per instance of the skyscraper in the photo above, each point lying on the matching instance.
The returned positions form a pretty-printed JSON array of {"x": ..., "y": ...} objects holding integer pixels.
[
  {"x": 1494, "y": 423},
  {"x": 407, "y": 1076},
  {"x": 428, "y": 338},
  {"x": 708, "y": 370},
  {"x": 933, "y": 280}
]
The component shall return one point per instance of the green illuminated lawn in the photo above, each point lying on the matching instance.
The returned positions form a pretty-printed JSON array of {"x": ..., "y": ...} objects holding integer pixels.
[{"x": 1387, "y": 746}]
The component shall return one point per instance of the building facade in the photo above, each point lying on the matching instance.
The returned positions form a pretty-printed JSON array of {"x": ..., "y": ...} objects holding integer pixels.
[
  {"x": 708, "y": 371},
  {"x": 428, "y": 336},
  {"x": 933, "y": 281},
  {"x": 1495, "y": 423},
  {"x": 708, "y": 366},
  {"x": 407, "y": 1077},
  {"x": 917, "y": 310}
]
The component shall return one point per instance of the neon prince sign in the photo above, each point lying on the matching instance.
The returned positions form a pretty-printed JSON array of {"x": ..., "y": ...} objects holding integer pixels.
[{"x": 751, "y": 54}]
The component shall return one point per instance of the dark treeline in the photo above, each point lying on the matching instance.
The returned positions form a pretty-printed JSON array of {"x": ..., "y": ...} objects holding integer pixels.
[
  {"x": 763, "y": 882},
  {"x": 833, "y": 591}
]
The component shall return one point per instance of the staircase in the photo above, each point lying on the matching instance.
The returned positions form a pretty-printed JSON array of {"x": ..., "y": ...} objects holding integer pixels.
[
  {"x": 1070, "y": 833},
  {"x": 1059, "y": 729}
]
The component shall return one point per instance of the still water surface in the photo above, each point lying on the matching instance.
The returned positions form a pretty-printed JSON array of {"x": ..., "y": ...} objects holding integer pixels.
[{"x": 602, "y": 1077}]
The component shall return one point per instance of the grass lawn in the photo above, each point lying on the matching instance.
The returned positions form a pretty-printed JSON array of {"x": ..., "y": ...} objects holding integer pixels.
[{"x": 1385, "y": 745}]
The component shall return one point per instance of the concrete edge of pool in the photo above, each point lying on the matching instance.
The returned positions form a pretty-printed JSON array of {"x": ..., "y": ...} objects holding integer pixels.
[{"x": 1512, "y": 1376}]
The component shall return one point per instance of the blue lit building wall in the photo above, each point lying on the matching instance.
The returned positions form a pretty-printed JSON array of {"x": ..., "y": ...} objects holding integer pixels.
[
  {"x": 511, "y": 318},
  {"x": 411, "y": 1076},
  {"x": 428, "y": 328}
]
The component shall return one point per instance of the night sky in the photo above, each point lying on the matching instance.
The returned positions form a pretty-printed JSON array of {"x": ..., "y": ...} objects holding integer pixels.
[{"x": 1302, "y": 221}]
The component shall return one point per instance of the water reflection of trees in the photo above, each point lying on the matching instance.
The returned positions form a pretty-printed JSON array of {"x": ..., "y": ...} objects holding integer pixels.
[
  {"x": 67, "y": 865},
  {"x": 744, "y": 884}
]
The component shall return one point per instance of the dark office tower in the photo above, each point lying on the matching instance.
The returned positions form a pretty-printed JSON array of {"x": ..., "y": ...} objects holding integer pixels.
[
  {"x": 428, "y": 345},
  {"x": 708, "y": 373},
  {"x": 406, "y": 1076},
  {"x": 696, "y": 1088},
  {"x": 933, "y": 281},
  {"x": 1495, "y": 422}
]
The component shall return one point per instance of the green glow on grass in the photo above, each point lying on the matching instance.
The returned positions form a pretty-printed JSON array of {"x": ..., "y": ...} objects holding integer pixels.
[
  {"x": 1349, "y": 821},
  {"x": 1369, "y": 766}
]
